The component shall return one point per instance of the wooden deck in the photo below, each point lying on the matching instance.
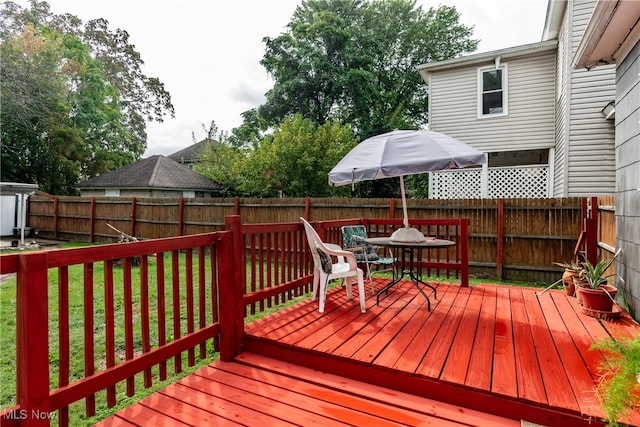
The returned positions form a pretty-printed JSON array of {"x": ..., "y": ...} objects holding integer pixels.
[{"x": 484, "y": 355}]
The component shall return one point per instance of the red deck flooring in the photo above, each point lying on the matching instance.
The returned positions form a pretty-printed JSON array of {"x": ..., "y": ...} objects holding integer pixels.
[{"x": 484, "y": 355}]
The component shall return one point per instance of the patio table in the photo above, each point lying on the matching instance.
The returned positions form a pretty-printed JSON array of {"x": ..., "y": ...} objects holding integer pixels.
[{"x": 407, "y": 265}]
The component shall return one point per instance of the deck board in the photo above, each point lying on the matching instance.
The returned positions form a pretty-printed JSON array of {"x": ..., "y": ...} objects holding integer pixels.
[
  {"x": 530, "y": 351},
  {"x": 553, "y": 375},
  {"x": 480, "y": 361},
  {"x": 377, "y": 332},
  {"x": 562, "y": 351},
  {"x": 422, "y": 339},
  {"x": 256, "y": 390},
  {"x": 457, "y": 364},
  {"x": 503, "y": 376},
  {"x": 484, "y": 355},
  {"x": 530, "y": 386},
  {"x": 438, "y": 352}
]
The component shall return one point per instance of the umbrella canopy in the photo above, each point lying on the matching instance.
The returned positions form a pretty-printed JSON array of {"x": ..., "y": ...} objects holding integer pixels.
[{"x": 400, "y": 153}]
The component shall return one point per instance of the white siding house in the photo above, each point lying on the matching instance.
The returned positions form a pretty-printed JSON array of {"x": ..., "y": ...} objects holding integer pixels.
[
  {"x": 613, "y": 37},
  {"x": 591, "y": 156},
  {"x": 538, "y": 119},
  {"x": 502, "y": 103}
]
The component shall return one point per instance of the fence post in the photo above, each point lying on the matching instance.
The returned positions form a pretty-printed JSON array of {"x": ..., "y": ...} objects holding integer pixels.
[
  {"x": 181, "y": 217},
  {"x": 307, "y": 208},
  {"x": 591, "y": 232},
  {"x": 500, "y": 237},
  {"x": 92, "y": 220},
  {"x": 132, "y": 224},
  {"x": 55, "y": 217},
  {"x": 232, "y": 290},
  {"x": 464, "y": 252},
  {"x": 32, "y": 330}
]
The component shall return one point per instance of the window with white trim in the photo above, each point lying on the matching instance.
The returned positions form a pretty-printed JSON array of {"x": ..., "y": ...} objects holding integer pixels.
[{"x": 492, "y": 91}]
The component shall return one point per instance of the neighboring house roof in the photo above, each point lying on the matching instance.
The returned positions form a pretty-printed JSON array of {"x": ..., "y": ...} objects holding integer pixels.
[
  {"x": 478, "y": 58},
  {"x": 17, "y": 188},
  {"x": 157, "y": 172},
  {"x": 192, "y": 153}
]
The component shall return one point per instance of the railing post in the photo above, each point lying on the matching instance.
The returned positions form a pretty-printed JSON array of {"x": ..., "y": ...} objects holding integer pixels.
[
  {"x": 464, "y": 252},
  {"x": 32, "y": 330},
  {"x": 231, "y": 288}
]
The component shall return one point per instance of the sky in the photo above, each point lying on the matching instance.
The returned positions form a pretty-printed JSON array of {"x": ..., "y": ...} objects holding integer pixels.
[{"x": 207, "y": 52}]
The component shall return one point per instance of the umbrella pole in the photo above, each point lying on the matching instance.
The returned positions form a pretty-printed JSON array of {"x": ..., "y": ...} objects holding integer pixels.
[{"x": 404, "y": 202}]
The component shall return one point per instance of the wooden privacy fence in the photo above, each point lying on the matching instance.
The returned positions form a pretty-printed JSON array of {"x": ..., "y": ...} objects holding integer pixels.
[{"x": 511, "y": 239}]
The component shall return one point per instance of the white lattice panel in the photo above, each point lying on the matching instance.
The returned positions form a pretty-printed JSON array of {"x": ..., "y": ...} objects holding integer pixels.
[
  {"x": 522, "y": 182},
  {"x": 507, "y": 182},
  {"x": 458, "y": 184}
]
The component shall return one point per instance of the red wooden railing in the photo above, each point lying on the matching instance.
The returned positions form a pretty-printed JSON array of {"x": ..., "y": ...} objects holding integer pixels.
[
  {"x": 176, "y": 314},
  {"x": 191, "y": 296}
]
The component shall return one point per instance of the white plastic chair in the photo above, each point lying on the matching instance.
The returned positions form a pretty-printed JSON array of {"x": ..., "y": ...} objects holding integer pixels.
[{"x": 325, "y": 270}]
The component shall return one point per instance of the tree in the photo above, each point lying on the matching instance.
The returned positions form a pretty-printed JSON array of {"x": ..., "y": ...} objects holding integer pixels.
[
  {"x": 73, "y": 96},
  {"x": 296, "y": 160},
  {"x": 38, "y": 142},
  {"x": 221, "y": 160},
  {"x": 355, "y": 62}
]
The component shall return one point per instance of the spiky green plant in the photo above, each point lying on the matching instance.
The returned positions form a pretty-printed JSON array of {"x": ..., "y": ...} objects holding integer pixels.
[
  {"x": 619, "y": 385},
  {"x": 596, "y": 274}
]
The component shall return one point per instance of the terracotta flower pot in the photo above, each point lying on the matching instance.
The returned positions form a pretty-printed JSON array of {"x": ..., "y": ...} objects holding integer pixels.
[
  {"x": 579, "y": 283},
  {"x": 597, "y": 300},
  {"x": 567, "y": 281}
]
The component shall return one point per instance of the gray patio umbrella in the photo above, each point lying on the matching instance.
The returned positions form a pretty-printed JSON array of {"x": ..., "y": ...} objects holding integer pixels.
[{"x": 400, "y": 153}]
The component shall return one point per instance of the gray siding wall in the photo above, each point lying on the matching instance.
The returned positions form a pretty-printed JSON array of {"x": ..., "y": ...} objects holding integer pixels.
[
  {"x": 627, "y": 143},
  {"x": 591, "y": 155},
  {"x": 563, "y": 71},
  {"x": 530, "y": 122}
]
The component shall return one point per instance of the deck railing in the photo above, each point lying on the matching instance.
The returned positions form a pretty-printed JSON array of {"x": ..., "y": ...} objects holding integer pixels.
[
  {"x": 138, "y": 306},
  {"x": 96, "y": 318}
]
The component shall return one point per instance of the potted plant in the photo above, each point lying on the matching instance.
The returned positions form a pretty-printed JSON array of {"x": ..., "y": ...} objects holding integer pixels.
[
  {"x": 619, "y": 386},
  {"x": 597, "y": 292},
  {"x": 571, "y": 269}
]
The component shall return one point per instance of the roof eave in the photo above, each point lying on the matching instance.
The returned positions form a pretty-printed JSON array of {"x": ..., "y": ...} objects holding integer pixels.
[
  {"x": 150, "y": 188},
  {"x": 553, "y": 19},
  {"x": 485, "y": 57},
  {"x": 612, "y": 31}
]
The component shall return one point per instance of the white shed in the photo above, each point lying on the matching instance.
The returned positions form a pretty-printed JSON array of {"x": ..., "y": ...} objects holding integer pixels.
[{"x": 13, "y": 207}]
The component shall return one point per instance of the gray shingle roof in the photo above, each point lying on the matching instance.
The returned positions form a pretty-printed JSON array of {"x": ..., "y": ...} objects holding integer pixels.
[
  {"x": 192, "y": 153},
  {"x": 152, "y": 172}
]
